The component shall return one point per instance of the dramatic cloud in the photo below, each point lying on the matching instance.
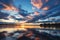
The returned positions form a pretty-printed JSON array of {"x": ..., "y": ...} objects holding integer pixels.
[
  {"x": 51, "y": 7},
  {"x": 40, "y": 10}
]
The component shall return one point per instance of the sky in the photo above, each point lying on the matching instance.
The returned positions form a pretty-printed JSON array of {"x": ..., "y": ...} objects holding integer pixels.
[
  {"x": 29, "y": 10},
  {"x": 25, "y": 4}
]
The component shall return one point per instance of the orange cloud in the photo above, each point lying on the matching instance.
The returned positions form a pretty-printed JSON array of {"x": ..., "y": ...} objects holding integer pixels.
[
  {"x": 36, "y": 13},
  {"x": 46, "y": 0},
  {"x": 29, "y": 17},
  {"x": 45, "y": 8},
  {"x": 37, "y": 3},
  {"x": 9, "y": 7}
]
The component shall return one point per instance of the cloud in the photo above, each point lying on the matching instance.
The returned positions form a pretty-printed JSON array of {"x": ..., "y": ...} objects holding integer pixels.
[
  {"x": 7, "y": 2},
  {"x": 9, "y": 20},
  {"x": 49, "y": 6},
  {"x": 56, "y": 18},
  {"x": 37, "y": 3},
  {"x": 45, "y": 8},
  {"x": 3, "y": 15},
  {"x": 46, "y": 0},
  {"x": 45, "y": 4},
  {"x": 36, "y": 13}
]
